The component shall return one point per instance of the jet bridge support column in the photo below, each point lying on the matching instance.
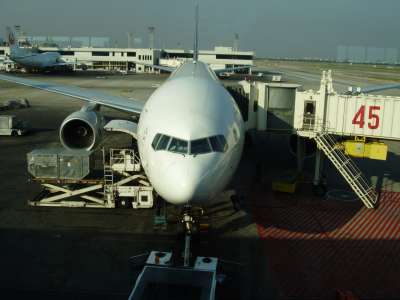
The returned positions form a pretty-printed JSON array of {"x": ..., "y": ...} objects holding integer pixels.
[
  {"x": 317, "y": 170},
  {"x": 318, "y": 186},
  {"x": 300, "y": 154}
]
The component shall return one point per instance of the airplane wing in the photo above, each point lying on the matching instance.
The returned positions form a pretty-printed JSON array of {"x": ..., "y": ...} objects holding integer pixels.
[
  {"x": 379, "y": 88},
  {"x": 91, "y": 96},
  {"x": 64, "y": 63},
  {"x": 218, "y": 71},
  {"x": 163, "y": 68}
]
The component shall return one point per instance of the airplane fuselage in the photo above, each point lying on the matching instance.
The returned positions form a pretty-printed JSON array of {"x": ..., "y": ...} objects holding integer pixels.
[
  {"x": 30, "y": 59},
  {"x": 190, "y": 136}
]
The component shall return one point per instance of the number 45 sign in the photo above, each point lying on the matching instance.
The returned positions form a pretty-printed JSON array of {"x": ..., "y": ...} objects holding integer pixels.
[{"x": 373, "y": 117}]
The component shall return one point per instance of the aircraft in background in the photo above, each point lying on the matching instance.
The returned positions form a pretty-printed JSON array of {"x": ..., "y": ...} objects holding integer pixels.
[
  {"x": 5, "y": 60},
  {"x": 32, "y": 59},
  {"x": 190, "y": 132}
]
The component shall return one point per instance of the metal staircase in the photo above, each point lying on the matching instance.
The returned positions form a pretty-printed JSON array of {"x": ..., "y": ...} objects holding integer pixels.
[
  {"x": 349, "y": 170},
  {"x": 108, "y": 179}
]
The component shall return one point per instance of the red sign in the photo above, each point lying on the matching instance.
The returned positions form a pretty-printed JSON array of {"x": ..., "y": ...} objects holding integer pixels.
[{"x": 373, "y": 117}]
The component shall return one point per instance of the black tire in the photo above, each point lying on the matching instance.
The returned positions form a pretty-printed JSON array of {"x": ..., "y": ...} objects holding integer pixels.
[
  {"x": 118, "y": 203},
  {"x": 14, "y": 133},
  {"x": 319, "y": 190}
]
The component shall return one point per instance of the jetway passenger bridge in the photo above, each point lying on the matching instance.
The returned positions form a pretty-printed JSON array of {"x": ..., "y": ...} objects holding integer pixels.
[
  {"x": 364, "y": 115},
  {"x": 324, "y": 115}
]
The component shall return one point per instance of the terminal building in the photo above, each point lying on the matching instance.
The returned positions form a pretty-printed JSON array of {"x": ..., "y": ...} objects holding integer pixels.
[
  {"x": 128, "y": 59},
  {"x": 218, "y": 58}
]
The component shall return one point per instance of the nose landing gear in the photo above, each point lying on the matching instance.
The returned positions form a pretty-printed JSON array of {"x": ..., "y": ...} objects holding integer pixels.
[{"x": 190, "y": 221}]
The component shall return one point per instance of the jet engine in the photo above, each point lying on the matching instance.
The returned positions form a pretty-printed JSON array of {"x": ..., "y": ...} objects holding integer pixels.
[{"x": 83, "y": 129}]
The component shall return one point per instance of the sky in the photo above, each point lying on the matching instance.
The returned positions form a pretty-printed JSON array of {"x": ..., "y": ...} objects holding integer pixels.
[{"x": 271, "y": 28}]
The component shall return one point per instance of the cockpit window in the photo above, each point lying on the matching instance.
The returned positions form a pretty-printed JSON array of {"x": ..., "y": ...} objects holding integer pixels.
[
  {"x": 200, "y": 146},
  {"x": 155, "y": 141},
  {"x": 178, "y": 146},
  {"x": 163, "y": 142},
  {"x": 215, "y": 143},
  {"x": 218, "y": 143}
]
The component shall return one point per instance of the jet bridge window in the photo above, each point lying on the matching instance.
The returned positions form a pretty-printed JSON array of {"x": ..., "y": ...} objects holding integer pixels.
[
  {"x": 218, "y": 143},
  {"x": 200, "y": 146},
  {"x": 178, "y": 146}
]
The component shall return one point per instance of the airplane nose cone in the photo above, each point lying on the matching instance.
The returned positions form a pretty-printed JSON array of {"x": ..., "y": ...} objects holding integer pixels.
[
  {"x": 181, "y": 184},
  {"x": 186, "y": 188}
]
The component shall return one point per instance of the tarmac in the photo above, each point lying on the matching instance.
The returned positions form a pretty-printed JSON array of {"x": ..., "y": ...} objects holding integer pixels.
[{"x": 81, "y": 253}]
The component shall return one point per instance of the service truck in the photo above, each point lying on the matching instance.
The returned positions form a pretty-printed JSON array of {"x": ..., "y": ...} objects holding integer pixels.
[{"x": 11, "y": 125}]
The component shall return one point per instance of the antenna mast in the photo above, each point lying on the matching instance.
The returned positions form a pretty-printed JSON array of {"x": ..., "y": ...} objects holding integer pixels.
[{"x": 196, "y": 35}]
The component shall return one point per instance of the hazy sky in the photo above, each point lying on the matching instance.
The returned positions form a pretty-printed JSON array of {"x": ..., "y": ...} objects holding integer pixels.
[{"x": 294, "y": 28}]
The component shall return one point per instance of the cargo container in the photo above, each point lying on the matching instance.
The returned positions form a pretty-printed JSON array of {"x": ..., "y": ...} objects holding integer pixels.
[{"x": 60, "y": 163}]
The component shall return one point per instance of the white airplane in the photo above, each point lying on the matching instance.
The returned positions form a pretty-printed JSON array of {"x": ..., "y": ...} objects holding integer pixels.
[
  {"x": 190, "y": 133},
  {"x": 32, "y": 59}
]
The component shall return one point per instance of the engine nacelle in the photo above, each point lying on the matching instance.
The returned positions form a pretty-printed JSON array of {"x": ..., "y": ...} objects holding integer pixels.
[{"x": 82, "y": 130}]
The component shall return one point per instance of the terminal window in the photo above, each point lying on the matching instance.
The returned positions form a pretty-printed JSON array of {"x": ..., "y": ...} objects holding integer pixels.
[
  {"x": 177, "y": 55},
  {"x": 234, "y": 56},
  {"x": 100, "y": 53},
  {"x": 131, "y": 54},
  {"x": 71, "y": 53}
]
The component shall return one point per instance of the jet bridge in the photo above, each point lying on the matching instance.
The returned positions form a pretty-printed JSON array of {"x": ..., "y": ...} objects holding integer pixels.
[
  {"x": 371, "y": 116},
  {"x": 266, "y": 106},
  {"x": 324, "y": 115}
]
